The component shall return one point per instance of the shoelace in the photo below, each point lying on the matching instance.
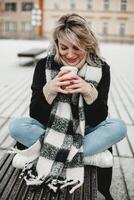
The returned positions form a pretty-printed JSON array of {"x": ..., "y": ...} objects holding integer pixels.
[{"x": 14, "y": 151}]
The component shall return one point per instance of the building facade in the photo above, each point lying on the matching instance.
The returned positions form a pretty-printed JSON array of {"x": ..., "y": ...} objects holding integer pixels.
[
  {"x": 16, "y": 19},
  {"x": 112, "y": 20}
]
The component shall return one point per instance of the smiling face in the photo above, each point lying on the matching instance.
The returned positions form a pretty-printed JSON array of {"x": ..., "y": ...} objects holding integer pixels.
[{"x": 70, "y": 53}]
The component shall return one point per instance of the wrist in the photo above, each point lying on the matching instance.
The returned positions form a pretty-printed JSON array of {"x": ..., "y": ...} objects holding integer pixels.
[
  {"x": 91, "y": 94},
  {"x": 88, "y": 90},
  {"x": 49, "y": 94}
]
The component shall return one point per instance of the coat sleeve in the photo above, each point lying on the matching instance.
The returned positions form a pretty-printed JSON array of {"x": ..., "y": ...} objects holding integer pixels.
[
  {"x": 39, "y": 107},
  {"x": 98, "y": 110}
]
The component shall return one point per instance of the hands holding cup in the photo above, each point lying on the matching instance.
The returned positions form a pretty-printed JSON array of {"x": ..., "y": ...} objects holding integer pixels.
[
  {"x": 67, "y": 73},
  {"x": 62, "y": 80},
  {"x": 70, "y": 82}
]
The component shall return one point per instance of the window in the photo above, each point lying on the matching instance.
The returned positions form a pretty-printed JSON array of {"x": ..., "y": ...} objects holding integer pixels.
[
  {"x": 56, "y": 4},
  {"x": 89, "y": 4},
  {"x": 105, "y": 28},
  {"x": 26, "y": 6},
  {"x": 123, "y": 5},
  {"x": 10, "y": 26},
  {"x": 122, "y": 29},
  {"x": 27, "y": 27},
  {"x": 106, "y": 4},
  {"x": 72, "y": 4},
  {"x": 10, "y": 7}
]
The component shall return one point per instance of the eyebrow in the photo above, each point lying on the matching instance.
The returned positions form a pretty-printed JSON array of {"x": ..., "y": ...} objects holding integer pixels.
[
  {"x": 74, "y": 46},
  {"x": 62, "y": 44}
]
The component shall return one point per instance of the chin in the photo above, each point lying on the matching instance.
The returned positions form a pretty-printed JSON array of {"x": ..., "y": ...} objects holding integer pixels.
[{"x": 72, "y": 64}]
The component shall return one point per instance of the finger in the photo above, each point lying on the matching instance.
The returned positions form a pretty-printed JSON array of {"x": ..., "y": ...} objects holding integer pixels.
[
  {"x": 75, "y": 81},
  {"x": 74, "y": 91},
  {"x": 63, "y": 83},
  {"x": 68, "y": 183},
  {"x": 74, "y": 86},
  {"x": 75, "y": 187},
  {"x": 68, "y": 76},
  {"x": 62, "y": 91}
]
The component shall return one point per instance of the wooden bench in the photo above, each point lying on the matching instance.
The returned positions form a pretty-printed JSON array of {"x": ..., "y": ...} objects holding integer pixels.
[
  {"x": 14, "y": 188},
  {"x": 31, "y": 54}
]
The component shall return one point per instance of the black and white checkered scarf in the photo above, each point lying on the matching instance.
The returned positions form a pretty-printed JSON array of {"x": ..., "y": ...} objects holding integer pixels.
[{"x": 61, "y": 156}]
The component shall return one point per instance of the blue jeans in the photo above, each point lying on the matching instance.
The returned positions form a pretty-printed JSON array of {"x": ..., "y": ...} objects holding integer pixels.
[{"x": 97, "y": 139}]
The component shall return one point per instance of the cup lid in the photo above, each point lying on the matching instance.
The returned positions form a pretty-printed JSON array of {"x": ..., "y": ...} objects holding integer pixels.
[{"x": 70, "y": 68}]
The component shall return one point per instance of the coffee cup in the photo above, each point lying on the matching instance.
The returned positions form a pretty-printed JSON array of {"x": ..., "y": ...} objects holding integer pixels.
[
  {"x": 73, "y": 70},
  {"x": 70, "y": 68}
]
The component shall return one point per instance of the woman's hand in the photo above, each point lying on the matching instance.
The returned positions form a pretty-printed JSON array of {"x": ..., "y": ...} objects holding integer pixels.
[
  {"x": 58, "y": 85},
  {"x": 77, "y": 84}
]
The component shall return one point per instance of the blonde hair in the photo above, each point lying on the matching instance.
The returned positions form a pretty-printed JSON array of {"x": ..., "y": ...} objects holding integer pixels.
[{"x": 77, "y": 30}]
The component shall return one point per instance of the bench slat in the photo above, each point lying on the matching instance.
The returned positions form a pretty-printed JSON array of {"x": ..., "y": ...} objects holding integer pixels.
[{"x": 11, "y": 187}]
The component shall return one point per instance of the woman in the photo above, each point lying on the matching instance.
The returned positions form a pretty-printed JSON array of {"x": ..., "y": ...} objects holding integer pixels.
[{"x": 68, "y": 111}]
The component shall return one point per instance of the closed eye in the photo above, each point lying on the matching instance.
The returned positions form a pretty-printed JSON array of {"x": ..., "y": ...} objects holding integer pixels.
[
  {"x": 63, "y": 48},
  {"x": 75, "y": 48}
]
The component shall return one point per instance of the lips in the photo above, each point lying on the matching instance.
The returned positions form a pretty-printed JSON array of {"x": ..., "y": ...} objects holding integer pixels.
[{"x": 72, "y": 61}]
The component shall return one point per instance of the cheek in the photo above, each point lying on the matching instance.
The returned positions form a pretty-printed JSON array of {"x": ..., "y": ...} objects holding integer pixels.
[
  {"x": 82, "y": 55},
  {"x": 62, "y": 53}
]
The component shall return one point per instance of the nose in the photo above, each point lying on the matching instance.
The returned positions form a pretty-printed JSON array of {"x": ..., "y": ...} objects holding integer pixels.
[{"x": 70, "y": 54}]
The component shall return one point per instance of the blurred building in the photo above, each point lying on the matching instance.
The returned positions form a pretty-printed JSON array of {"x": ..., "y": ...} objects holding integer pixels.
[
  {"x": 16, "y": 19},
  {"x": 112, "y": 20}
]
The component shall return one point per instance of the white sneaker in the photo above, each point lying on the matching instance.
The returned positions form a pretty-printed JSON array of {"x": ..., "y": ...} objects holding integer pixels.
[
  {"x": 25, "y": 156},
  {"x": 103, "y": 159}
]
